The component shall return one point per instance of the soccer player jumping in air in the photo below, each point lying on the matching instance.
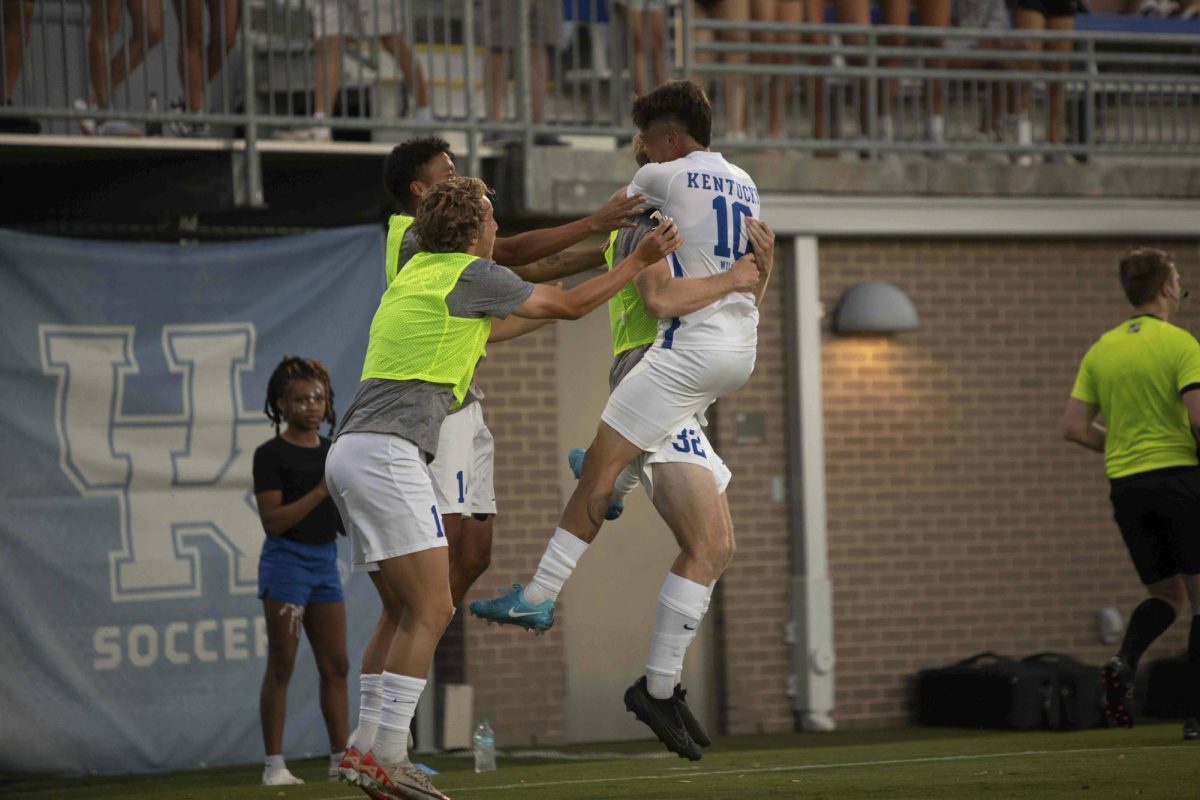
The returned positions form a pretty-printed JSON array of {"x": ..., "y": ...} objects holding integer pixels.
[{"x": 704, "y": 352}]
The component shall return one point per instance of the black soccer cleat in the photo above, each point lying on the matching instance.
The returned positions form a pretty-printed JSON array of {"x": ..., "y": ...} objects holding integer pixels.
[
  {"x": 1117, "y": 678},
  {"x": 662, "y": 717},
  {"x": 689, "y": 719}
]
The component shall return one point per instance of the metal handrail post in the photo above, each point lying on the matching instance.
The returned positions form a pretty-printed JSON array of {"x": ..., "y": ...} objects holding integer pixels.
[
  {"x": 524, "y": 97},
  {"x": 473, "y": 167},
  {"x": 253, "y": 166}
]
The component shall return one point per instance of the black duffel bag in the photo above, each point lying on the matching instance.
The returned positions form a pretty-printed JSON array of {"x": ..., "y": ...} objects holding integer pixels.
[
  {"x": 988, "y": 691},
  {"x": 1079, "y": 690}
]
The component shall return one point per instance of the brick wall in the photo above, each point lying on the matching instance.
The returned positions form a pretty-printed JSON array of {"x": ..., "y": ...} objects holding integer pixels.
[
  {"x": 959, "y": 520},
  {"x": 520, "y": 679}
]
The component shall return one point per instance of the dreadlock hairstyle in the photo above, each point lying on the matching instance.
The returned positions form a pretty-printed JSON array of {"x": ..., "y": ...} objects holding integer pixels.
[{"x": 291, "y": 369}]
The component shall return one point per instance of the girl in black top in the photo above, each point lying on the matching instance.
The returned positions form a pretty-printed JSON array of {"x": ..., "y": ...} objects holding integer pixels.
[{"x": 298, "y": 579}]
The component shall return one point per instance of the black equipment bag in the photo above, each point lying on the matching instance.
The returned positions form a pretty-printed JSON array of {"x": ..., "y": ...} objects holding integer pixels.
[
  {"x": 1080, "y": 693},
  {"x": 988, "y": 691}
]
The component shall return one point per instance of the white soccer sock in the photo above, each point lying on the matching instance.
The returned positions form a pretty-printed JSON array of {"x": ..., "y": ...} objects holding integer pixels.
[
  {"x": 400, "y": 696},
  {"x": 558, "y": 562},
  {"x": 707, "y": 603},
  {"x": 680, "y": 609},
  {"x": 370, "y": 694},
  {"x": 276, "y": 762},
  {"x": 627, "y": 481},
  {"x": 334, "y": 760}
]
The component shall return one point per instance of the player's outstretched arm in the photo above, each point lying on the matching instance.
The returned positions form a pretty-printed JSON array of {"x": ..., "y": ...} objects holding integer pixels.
[
  {"x": 525, "y": 248},
  {"x": 513, "y": 326},
  {"x": 665, "y": 296},
  {"x": 762, "y": 241},
  {"x": 1077, "y": 425},
  {"x": 552, "y": 302},
  {"x": 561, "y": 265}
]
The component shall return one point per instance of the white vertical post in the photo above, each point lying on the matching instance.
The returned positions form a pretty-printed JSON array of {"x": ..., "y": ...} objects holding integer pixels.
[{"x": 812, "y": 597}]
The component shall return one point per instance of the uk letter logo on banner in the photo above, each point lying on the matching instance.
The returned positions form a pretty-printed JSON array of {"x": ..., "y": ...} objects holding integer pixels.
[{"x": 177, "y": 478}]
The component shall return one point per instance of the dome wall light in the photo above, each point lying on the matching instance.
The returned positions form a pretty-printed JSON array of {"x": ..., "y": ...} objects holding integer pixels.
[{"x": 875, "y": 307}]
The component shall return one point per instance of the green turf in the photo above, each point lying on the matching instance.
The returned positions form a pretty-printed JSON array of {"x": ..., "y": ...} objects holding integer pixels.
[{"x": 1149, "y": 761}]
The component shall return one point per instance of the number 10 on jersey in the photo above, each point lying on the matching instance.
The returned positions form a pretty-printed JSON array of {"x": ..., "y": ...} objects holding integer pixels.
[{"x": 729, "y": 216}]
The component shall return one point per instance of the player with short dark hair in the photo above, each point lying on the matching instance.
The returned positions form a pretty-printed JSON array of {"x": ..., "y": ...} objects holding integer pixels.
[
  {"x": 1143, "y": 376},
  {"x": 298, "y": 579},
  {"x": 704, "y": 348}
]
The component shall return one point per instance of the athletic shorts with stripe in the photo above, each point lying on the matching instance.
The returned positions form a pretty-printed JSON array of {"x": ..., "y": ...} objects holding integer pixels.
[
  {"x": 463, "y": 467},
  {"x": 384, "y": 492}
]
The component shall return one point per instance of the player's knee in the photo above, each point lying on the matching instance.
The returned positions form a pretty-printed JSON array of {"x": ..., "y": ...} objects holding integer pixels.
[
  {"x": 280, "y": 661},
  {"x": 333, "y": 667}
]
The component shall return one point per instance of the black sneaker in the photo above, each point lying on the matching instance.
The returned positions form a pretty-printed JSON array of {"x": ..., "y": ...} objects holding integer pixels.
[
  {"x": 1191, "y": 728},
  {"x": 1118, "y": 692},
  {"x": 662, "y": 717},
  {"x": 689, "y": 719}
]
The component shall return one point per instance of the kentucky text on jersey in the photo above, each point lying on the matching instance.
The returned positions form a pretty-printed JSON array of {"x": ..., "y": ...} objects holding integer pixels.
[{"x": 716, "y": 183}]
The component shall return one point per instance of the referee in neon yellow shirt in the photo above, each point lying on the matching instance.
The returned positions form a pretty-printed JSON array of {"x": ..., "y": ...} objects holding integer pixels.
[{"x": 1142, "y": 376}]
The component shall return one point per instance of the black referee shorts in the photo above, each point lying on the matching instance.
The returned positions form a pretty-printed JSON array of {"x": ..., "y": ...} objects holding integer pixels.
[{"x": 1158, "y": 513}]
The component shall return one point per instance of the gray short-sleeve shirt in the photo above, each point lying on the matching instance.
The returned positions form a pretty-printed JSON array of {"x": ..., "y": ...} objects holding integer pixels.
[{"x": 415, "y": 410}]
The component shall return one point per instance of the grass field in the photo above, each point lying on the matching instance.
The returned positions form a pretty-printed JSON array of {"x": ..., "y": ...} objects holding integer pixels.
[{"x": 1149, "y": 761}]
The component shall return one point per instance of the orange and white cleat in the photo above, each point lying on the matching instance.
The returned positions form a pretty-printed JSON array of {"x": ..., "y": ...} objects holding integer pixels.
[{"x": 347, "y": 768}]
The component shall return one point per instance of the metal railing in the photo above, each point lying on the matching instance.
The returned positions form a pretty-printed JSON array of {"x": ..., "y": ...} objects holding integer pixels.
[{"x": 528, "y": 71}]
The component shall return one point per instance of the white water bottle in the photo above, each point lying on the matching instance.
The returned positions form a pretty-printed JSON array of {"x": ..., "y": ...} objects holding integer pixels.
[{"x": 484, "y": 741}]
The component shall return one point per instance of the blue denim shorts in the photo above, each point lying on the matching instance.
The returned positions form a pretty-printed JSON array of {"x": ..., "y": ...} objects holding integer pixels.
[{"x": 299, "y": 574}]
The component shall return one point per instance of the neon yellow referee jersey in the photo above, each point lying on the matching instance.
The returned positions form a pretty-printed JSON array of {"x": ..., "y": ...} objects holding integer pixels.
[{"x": 1136, "y": 373}]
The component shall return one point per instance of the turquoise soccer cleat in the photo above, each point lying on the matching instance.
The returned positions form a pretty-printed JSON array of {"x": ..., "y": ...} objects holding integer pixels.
[
  {"x": 575, "y": 462},
  {"x": 511, "y": 608}
]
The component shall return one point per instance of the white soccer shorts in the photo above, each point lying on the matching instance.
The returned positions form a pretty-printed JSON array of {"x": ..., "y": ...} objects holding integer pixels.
[
  {"x": 688, "y": 446},
  {"x": 668, "y": 388},
  {"x": 463, "y": 468},
  {"x": 382, "y": 489}
]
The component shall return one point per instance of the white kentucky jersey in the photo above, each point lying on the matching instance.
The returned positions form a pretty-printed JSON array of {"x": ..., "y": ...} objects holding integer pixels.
[{"x": 709, "y": 199}]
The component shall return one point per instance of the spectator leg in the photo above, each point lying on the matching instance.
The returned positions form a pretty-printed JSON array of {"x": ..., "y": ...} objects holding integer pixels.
[
  {"x": 105, "y": 18},
  {"x": 497, "y": 81},
  {"x": 935, "y": 14},
  {"x": 145, "y": 36},
  {"x": 191, "y": 51},
  {"x": 766, "y": 11},
  {"x": 734, "y": 88},
  {"x": 895, "y": 12},
  {"x": 539, "y": 74},
  {"x": 16, "y": 29},
  {"x": 224, "y": 17},
  {"x": 633, "y": 24},
  {"x": 1056, "y": 89},
  {"x": 1027, "y": 20},
  {"x": 328, "y": 78},
  {"x": 789, "y": 13},
  {"x": 858, "y": 12},
  {"x": 414, "y": 76}
]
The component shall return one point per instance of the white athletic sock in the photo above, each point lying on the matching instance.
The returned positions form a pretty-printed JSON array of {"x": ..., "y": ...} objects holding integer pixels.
[
  {"x": 400, "y": 696},
  {"x": 627, "y": 481},
  {"x": 370, "y": 698},
  {"x": 276, "y": 762},
  {"x": 707, "y": 603},
  {"x": 680, "y": 609},
  {"x": 334, "y": 760},
  {"x": 558, "y": 562}
]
